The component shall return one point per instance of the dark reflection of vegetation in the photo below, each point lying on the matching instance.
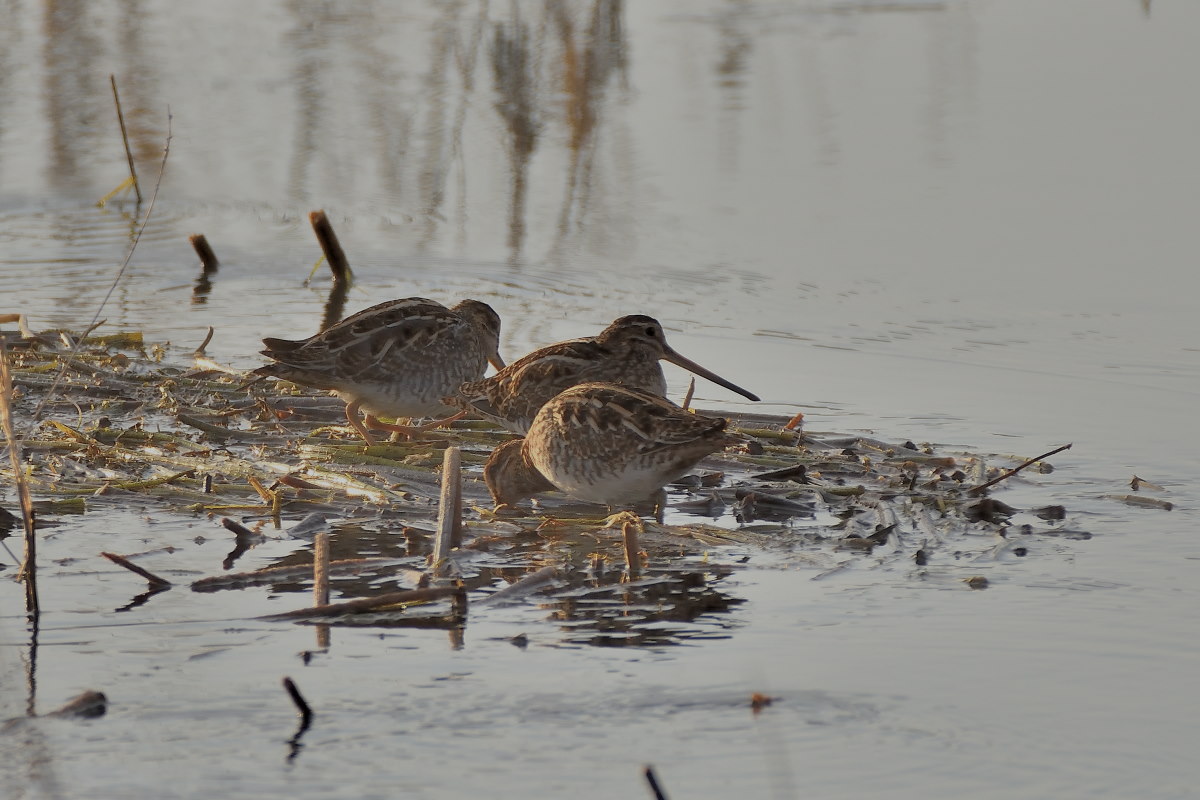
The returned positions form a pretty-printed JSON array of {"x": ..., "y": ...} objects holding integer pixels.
[
  {"x": 335, "y": 304},
  {"x": 588, "y": 65},
  {"x": 72, "y": 89},
  {"x": 513, "y": 73},
  {"x": 663, "y": 607},
  {"x": 591, "y": 602}
]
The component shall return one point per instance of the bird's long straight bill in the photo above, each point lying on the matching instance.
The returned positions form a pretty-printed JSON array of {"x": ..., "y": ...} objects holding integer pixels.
[{"x": 692, "y": 366}]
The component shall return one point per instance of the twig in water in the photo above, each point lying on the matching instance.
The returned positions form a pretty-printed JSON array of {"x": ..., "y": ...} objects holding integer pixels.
[
  {"x": 28, "y": 572},
  {"x": 306, "y": 716},
  {"x": 207, "y": 338},
  {"x": 321, "y": 569},
  {"x": 154, "y": 580},
  {"x": 297, "y": 698},
  {"x": 1015, "y": 470},
  {"x": 125, "y": 138},
  {"x": 328, "y": 240},
  {"x": 449, "y": 527},
  {"x": 652, "y": 779}
]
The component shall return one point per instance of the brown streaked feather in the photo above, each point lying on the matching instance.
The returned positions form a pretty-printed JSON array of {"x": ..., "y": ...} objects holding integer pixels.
[
  {"x": 396, "y": 358},
  {"x": 604, "y": 443},
  {"x": 627, "y": 353}
]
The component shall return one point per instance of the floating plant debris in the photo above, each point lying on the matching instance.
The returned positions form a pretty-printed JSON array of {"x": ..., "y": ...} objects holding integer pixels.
[{"x": 267, "y": 462}]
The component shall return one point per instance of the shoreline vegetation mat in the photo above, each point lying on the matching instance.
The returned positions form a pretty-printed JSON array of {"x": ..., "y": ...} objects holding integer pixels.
[{"x": 136, "y": 422}]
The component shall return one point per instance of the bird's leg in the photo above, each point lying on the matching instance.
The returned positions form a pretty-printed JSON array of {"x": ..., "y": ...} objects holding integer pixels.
[
  {"x": 660, "y": 505},
  {"x": 411, "y": 430},
  {"x": 356, "y": 423}
]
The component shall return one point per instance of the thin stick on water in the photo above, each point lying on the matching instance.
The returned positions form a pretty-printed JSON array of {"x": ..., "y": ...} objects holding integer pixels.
[
  {"x": 328, "y": 240},
  {"x": 1015, "y": 470},
  {"x": 154, "y": 580},
  {"x": 302, "y": 705},
  {"x": 652, "y": 780},
  {"x": 449, "y": 526},
  {"x": 321, "y": 569},
  {"x": 125, "y": 138},
  {"x": 365, "y": 604},
  {"x": 28, "y": 571},
  {"x": 208, "y": 259}
]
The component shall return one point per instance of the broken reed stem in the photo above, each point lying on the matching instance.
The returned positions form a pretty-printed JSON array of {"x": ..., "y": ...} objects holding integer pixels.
[
  {"x": 321, "y": 569},
  {"x": 237, "y": 528},
  {"x": 208, "y": 259},
  {"x": 687, "y": 398},
  {"x": 154, "y": 580},
  {"x": 368, "y": 603},
  {"x": 1015, "y": 470},
  {"x": 125, "y": 138},
  {"x": 241, "y": 580},
  {"x": 328, "y": 240},
  {"x": 302, "y": 705},
  {"x": 207, "y": 338},
  {"x": 449, "y": 525},
  {"x": 28, "y": 571},
  {"x": 630, "y": 536},
  {"x": 652, "y": 780}
]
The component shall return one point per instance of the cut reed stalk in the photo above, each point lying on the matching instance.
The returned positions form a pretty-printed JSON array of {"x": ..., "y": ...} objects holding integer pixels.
[
  {"x": 321, "y": 569},
  {"x": 328, "y": 240},
  {"x": 28, "y": 571},
  {"x": 633, "y": 561},
  {"x": 208, "y": 259},
  {"x": 449, "y": 526}
]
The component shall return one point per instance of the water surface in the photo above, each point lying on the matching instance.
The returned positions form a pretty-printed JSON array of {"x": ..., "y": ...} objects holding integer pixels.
[{"x": 962, "y": 222}]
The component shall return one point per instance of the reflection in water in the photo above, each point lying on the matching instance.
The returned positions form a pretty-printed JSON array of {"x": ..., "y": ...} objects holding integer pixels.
[
  {"x": 144, "y": 112},
  {"x": 669, "y": 602},
  {"x": 588, "y": 63},
  {"x": 72, "y": 89},
  {"x": 666, "y": 606},
  {"x": 308, "y": 33},
  {"x": 513, "y": 76},
  {"x": 735, "y": 47}
]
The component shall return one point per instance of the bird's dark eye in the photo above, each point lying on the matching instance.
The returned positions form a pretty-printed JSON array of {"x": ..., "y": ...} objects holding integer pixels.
[{"x": 650, "y": 332}]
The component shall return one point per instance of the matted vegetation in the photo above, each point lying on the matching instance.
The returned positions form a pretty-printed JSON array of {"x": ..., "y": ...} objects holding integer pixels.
[{"x": 194, "y": 438}]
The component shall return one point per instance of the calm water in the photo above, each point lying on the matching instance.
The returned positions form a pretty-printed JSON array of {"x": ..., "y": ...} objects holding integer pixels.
[{"x": 963, "y": 222}]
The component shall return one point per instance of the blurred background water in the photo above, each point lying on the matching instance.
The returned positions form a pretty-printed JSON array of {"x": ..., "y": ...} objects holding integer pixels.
[{"x": 965, "y": 221}]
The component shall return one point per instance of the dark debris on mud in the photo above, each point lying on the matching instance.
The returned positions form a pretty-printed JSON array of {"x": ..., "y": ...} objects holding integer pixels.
[{"x": 197, "y": 439}]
